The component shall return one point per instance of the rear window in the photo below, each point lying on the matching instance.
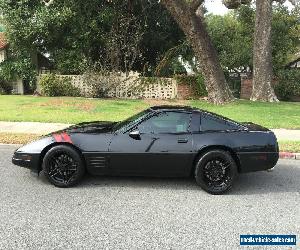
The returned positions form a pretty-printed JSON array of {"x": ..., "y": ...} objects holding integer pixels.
[{"x": 211, "y": 123}]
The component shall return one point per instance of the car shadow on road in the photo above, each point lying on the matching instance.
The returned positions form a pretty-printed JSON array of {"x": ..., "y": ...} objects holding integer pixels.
[
  {"x": 139, "y": 182},
  {"x": 281, "y": 180}
]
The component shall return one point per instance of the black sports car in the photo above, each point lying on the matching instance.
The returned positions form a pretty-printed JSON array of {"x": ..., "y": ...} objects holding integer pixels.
[{"x": 159, "y": 141}]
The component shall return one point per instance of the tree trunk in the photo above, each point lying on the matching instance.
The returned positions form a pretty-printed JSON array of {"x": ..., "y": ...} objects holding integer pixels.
[
  {"x": 196, "y": 33},
  {"x": 262, "y": 54}
]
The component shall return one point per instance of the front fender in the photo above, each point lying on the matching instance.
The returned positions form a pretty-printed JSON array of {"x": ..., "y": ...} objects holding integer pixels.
[
  {"x": 36, "y": 147},
  {"x": 28, "y": 155}
]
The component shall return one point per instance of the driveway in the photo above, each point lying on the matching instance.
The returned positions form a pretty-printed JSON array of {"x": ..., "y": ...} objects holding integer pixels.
[{"x": 144, "y": 213}]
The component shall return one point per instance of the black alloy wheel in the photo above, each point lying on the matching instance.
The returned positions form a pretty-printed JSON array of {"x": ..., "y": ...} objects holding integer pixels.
[
  {"x": 216, "y": 171},
  {"x": 63, "y": 166}
]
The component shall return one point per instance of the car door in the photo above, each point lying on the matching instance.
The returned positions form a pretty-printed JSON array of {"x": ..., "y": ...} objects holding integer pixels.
[{"x": 164, "y": 146}]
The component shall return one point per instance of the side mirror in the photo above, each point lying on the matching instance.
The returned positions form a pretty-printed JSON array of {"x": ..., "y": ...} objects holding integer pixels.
[{"x": 135, "y": 135}]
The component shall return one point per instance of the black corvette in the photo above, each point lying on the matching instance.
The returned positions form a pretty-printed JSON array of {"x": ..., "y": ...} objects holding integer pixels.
[{"x": 159, "y": 141}]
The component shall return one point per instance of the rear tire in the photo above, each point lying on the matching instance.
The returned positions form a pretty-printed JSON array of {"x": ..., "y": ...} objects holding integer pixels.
[
  {"x": 216, "y": 171},
  {"x": 63, "y": 166}
]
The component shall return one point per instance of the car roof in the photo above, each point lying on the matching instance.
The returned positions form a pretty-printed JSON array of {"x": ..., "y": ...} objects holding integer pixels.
[
  {"x": 191, "y": 109},
  {"x": 174, "y": 108}
]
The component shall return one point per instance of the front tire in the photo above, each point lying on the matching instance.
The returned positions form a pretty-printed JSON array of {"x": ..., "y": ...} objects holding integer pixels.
[
  {"x": 216, "y": 171},
  {"x": 63, "y": 166}
]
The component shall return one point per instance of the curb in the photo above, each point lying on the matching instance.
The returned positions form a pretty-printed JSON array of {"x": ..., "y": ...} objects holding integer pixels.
[
  {"x": 10, "y": 144},
  {"x": 288, "y": 155}
]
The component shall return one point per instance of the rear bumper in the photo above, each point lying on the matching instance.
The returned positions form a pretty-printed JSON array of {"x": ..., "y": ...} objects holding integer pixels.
[
  {"x": 257, "y": 161},
  {"x": 30, "y": 161}
]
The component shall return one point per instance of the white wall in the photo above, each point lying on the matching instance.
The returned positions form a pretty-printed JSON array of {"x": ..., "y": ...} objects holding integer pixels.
[
  {"x": 2, "y": 55},
  {"x": 18, "y": 87}
]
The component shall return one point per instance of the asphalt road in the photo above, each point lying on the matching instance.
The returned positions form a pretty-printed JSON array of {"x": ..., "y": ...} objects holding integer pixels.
[{"x": 144, "y": 213}]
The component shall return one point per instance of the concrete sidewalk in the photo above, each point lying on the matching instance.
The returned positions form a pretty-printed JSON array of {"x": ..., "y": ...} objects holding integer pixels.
[
  {"x": 287, "y": 134},
  {"x": 45, "y": 128},
  {"x": 39, "y": 128}
]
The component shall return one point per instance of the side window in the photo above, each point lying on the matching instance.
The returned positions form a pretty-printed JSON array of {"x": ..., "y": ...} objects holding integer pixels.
[
  {"x": 210, "y": 123},
  {"x": 166, "y": 122}
]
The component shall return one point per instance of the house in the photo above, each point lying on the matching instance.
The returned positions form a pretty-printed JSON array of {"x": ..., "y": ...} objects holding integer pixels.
[
  {"x": 294, "y": 61},
  {"x": 17, "y": 84},
  {"x": 21, "y": 86},
  {"x": 295, "y": 64}
]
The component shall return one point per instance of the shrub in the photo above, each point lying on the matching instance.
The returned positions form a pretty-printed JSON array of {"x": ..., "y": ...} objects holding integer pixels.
[
  {"x": 288, "y": 84},
  {"x": 51, "y": 85},
  {"x": 234, "y": 83},
  {"x": 200, "y": 87},
  {"x": 101, "y": 82},
  {"x": 5, "y": 88},
  {"x": 196, "y": 82}
]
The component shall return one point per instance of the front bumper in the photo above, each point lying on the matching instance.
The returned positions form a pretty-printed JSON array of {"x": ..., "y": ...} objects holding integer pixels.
[{"x": 30, "y": 161}]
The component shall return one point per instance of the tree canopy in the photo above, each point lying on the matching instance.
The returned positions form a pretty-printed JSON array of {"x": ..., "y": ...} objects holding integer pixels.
[
  {"x": 132, "y": 35},
  {"x": 232, "y": 35},
  {"x": 77, "y": 34}
]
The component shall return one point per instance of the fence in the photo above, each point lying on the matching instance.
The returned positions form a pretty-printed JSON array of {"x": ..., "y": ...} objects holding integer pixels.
[{"x": 122, "y": 86}]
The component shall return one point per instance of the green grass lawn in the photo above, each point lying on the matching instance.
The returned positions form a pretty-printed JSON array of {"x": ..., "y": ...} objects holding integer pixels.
[
  {"x": 74, "y": 110},
  {"x": 289, "y": 146}
]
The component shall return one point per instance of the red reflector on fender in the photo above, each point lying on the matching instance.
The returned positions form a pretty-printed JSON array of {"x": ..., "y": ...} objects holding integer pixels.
[{"x": 66, "y": 137}]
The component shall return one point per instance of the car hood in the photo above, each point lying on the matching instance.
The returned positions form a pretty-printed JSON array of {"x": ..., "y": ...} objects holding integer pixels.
[{"x": 90, "y": 127}]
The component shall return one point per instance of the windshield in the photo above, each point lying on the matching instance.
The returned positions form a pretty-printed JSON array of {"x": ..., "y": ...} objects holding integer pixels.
[{"x": 123, "y": 126}]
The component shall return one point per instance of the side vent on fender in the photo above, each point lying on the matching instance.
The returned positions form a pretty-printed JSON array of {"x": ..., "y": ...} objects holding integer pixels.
[{"x": 96, "y": 161}]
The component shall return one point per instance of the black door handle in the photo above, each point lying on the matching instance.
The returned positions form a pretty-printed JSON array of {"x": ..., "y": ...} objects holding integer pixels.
[{"x": 182, "y": 140}]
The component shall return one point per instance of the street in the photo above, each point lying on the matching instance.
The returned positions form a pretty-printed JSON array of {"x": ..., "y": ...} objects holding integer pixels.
[{"x": 144, "y": 213}]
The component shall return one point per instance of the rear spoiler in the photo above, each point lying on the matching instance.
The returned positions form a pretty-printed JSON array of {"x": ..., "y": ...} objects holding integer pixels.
[{"x": 254, "y": 127}]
